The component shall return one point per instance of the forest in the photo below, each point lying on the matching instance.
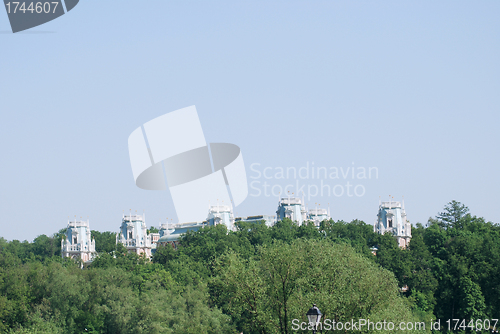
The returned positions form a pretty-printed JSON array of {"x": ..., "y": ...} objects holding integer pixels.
[{"x": 257, "y": 279}]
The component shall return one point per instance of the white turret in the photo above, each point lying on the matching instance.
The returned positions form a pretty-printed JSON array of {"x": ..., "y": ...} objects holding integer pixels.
[
  {"x": 78, "y": 243},
  {"x": 392, "y": 218}
]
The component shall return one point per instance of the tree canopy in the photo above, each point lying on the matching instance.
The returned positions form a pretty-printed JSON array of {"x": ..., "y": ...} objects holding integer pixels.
[{"x": 256, "y": 279}]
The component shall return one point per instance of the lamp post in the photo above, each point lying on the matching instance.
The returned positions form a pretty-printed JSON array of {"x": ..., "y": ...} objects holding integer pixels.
[{"x": 314, "y": 316}]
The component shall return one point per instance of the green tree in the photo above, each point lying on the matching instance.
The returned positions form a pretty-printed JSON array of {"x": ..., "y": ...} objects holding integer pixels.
[
  {"x": 153, "y": 229},
  {"x": 104, "y": 241},
  {"x": 266, "y": 292},
  {"x": 356, "y": 233},
  {"x": 284, "y": 230},
  {"x": 453, "y": 213},
  {"x": 257, "y": 233},
  {"x": 421, "y": 278},
  {"x": 45, "y": 247},
  {"x": 471, "y": 301}
]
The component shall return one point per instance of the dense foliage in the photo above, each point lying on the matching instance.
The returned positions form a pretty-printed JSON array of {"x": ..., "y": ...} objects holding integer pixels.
[{"x": 255, "y": 280}]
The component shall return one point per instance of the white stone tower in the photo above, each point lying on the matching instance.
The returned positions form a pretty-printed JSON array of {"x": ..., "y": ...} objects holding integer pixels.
[
  {"x": 292, "y": 208},
  {"x": 391, "y": 218},
  {"x": 133, "y": 235},
  {"x": 221, "y": 214},
  {"x": 317, "y": 215},
  {"x": 78, "y": 243}
]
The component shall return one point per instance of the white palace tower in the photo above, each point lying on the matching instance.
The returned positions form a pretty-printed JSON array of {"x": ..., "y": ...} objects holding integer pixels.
[
  {"x": 133, "y": 235},
  {"x": 78, "y": 243},
  {"x": 391, "y": 218},
  {"x": 292, "y": 208}
]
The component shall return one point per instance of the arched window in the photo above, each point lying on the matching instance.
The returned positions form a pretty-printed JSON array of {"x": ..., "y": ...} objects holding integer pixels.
[
  {"x": 130, "y": 235},
  {"x": 389, "y": 222}
]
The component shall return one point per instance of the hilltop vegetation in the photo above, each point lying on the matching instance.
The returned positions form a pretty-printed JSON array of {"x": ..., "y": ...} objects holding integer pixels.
[{"x": 256, "y": 279}]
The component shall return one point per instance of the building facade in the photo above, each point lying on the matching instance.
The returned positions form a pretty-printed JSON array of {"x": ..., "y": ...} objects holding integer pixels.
[
  {"x": 318, "y": 215},
  {"x": 167, "y": 236},
  {"x": 78, "y": 243},
  {"x": 268, "y": 220},
  {"x": 220, "y": 214},
  {"x": 391, "y": 218},
  {"x": 171, "y": 233},
  {"x": 292, "y": 208},
  {"x": 133, "y": 235}
]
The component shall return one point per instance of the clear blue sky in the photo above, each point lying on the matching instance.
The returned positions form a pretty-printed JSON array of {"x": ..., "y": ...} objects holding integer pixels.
[{"x": 411, "y": 88}]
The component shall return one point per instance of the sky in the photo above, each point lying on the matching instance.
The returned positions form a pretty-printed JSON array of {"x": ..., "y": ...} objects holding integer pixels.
[{"x": 409, "y": 89}]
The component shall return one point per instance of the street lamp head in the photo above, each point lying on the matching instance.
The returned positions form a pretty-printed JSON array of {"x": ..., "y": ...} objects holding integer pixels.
[{"x": 314, "y": 315}]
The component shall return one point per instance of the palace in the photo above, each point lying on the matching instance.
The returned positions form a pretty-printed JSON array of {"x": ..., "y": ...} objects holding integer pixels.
[
  {"x": 268, "y": 220},
  {"x": 171, "y": 233},
  {"x": 292, "y": 208},
  {"x": 391, "y": 218},
  {"x": 134, "y": 235},
  {"x": 318, "y": 215},
  {"x": 220, "y": 214},
  {"x": 77, "y": 243}
]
